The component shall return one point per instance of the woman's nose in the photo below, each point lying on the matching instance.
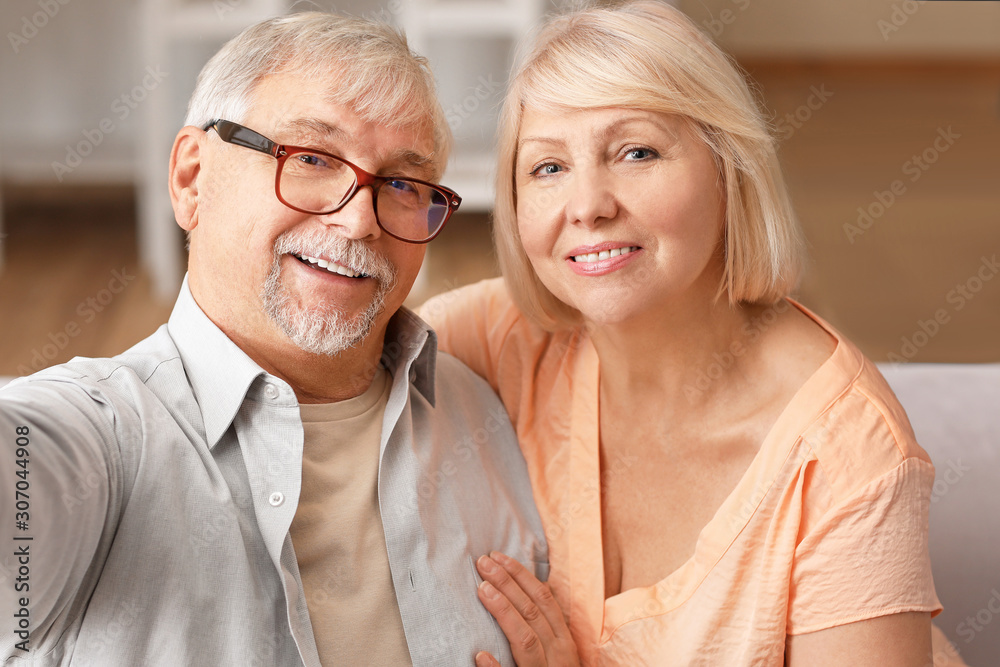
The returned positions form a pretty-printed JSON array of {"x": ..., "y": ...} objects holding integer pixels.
[{"x": 591, "y": 197}]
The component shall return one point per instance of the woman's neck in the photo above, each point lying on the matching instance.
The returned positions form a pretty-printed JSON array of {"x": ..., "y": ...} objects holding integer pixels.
[{"x": 681, "y": 353}]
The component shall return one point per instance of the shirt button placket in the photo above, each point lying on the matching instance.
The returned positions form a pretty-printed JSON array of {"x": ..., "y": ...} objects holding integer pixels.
[{"x": 272, "y": 392}]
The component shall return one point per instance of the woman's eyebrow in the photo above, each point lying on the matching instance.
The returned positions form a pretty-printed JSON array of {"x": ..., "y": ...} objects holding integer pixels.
[
  {"x": 539, "y": 140},
  {"x": 608, "y": 131},
  {"x": 623, "y": 124}
]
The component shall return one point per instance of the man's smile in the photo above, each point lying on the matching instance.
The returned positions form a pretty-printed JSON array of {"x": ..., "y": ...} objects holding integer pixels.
[{"x": 329, "y": 266}]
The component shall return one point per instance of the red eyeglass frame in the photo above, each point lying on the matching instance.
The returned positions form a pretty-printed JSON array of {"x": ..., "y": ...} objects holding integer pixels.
[{"x": 234, "y": 133}]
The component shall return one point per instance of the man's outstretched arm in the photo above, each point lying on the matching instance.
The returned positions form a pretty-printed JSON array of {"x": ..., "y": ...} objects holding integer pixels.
[{"x": 60, "y": 480}]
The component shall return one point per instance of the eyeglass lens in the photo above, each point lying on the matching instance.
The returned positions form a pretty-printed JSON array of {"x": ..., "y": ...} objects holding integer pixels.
[{"x": 319, "y": 184}]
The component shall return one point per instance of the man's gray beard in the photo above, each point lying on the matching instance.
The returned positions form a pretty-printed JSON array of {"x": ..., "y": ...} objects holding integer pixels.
[{"x": 325, "y": 329}]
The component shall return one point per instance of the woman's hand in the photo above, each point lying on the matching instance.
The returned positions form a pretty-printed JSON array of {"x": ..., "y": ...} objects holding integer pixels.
[{"x": 527, "y": 613}]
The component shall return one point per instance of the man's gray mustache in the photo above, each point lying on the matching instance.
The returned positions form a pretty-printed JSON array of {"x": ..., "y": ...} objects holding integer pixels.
[{"x": 352, "y": 253}]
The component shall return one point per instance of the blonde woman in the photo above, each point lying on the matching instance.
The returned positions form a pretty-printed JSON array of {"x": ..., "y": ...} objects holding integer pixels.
[{"x": 723, "y": 478}]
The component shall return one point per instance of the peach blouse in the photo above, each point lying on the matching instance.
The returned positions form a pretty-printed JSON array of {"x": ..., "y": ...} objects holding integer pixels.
[{"x": 826, "y": 527}]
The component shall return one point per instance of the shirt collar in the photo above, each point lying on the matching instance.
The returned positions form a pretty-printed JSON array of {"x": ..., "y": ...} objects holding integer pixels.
[
  {"x": 411, "y": 346},
  {"x": 221, "y": 373}
]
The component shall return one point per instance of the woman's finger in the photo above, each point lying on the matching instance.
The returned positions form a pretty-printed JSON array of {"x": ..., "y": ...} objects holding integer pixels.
[
  {"x": 525, "y": 644},
  {"x": 484, "y": 659},
  {"x": 539, "y": 593},
  {"x": 492, "y": 572}
]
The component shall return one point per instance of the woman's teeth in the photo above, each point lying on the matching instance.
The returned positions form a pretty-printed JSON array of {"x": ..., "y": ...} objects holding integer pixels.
[
  {"x": 332, "y": 267},
  {"x": 604, "y": 254}
]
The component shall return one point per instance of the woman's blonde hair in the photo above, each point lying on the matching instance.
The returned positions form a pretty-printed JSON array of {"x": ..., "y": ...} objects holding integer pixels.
[
  {"x": 647, "y": 55},
  {"x": 377, "y": 75}
]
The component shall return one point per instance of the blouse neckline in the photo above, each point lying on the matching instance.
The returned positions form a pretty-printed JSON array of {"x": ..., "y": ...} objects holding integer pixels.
[{"x": 605, "y": 616}]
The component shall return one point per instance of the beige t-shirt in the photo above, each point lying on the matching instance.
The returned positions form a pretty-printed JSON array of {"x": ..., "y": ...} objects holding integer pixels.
[{"x": 338, "y": 537}]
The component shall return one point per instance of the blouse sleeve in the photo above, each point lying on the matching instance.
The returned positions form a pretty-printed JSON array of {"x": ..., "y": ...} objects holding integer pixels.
[
  {"x": 472, "y": 323},
  {"x": 866, "y": 555}
]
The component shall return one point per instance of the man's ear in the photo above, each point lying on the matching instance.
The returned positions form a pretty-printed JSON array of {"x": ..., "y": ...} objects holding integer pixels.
[{"x": 185, "y": 166}]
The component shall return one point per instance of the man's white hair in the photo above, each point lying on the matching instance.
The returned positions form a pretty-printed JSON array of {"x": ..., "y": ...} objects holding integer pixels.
[{"x": 378, "y": 76}]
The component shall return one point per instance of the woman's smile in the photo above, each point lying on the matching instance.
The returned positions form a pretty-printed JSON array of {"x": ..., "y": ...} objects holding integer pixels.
[{"x": 602, "y": 259}]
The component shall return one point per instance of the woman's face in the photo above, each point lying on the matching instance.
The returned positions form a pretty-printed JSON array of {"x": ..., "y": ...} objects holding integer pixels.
[{"x": 620, "y": 211}]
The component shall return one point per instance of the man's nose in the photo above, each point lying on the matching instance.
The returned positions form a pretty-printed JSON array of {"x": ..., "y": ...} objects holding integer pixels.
[{"x": 356, "y": 220}]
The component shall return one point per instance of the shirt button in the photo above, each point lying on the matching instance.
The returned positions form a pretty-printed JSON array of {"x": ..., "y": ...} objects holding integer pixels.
[
  {"x": 271, "y": 391},
  {"x": 276, "y": 498}
]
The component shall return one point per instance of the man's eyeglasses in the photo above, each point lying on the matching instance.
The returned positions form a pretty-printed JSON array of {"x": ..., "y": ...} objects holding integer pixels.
[{"x": 311, "y": 181}]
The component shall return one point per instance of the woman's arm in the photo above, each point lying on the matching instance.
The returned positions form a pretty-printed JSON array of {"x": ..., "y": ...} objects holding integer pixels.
[
  {"x": 896, "y": 640},
  {"x": 471, "y": 323}
]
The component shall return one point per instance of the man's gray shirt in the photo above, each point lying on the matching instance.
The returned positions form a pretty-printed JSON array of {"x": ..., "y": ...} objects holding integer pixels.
[{"x": 161, "y": 485}]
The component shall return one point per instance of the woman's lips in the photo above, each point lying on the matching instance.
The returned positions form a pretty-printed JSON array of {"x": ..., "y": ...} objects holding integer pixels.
[{"x": 602, "y": 259}]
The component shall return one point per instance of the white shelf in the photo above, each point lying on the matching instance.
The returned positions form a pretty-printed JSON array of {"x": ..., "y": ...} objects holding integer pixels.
[
  {"x": 168, "y": 30},
  {"x": 431, "y": 25}
]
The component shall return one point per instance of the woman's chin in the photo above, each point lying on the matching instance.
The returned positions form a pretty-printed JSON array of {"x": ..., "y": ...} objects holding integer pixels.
[{"x": 607, "y": 314}]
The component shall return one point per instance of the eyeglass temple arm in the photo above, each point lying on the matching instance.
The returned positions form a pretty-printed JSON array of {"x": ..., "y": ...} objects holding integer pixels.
[{"x": 242, "y": 136}]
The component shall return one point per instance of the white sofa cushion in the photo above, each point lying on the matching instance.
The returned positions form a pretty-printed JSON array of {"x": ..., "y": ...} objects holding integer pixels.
[{"x": 955, "y": 413}]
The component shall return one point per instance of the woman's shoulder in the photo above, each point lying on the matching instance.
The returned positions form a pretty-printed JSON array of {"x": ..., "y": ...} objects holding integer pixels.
[
  {"x": 849, "y": 417},
  {"x": 488, "y": 296},
  {"x": 482, "y": 326},
  {"x": 487, "y": 306}
]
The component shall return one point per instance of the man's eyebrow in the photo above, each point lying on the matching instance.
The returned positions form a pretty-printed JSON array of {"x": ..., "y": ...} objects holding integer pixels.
[
  {"x": 307, "y": 128},
  {"x": 411, "y": 158},
  {"x": 313, "y": 126}
]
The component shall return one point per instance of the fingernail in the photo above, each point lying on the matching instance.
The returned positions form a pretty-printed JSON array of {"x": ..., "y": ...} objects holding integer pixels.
[
  {"x": 489, "y": 590},
  {"x": 487, "y": 565}
]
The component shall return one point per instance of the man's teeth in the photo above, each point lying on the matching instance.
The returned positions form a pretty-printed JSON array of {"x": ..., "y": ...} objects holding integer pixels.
[
  {"x": 332, "y": 267},
  {"x": 604, "y": 254}
]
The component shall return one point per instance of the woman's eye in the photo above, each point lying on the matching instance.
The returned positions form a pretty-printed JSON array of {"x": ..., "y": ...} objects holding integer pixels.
[
  {"x": 639, "y": 153},
  {"x": 546, "y": 169}
]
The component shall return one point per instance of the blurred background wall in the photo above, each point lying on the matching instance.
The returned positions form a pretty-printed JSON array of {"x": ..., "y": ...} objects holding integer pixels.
[{"x": 888, "y": 114}]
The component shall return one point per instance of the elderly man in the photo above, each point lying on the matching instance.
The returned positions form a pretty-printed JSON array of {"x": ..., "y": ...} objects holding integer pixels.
[{"x": 286, "y": 473}]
